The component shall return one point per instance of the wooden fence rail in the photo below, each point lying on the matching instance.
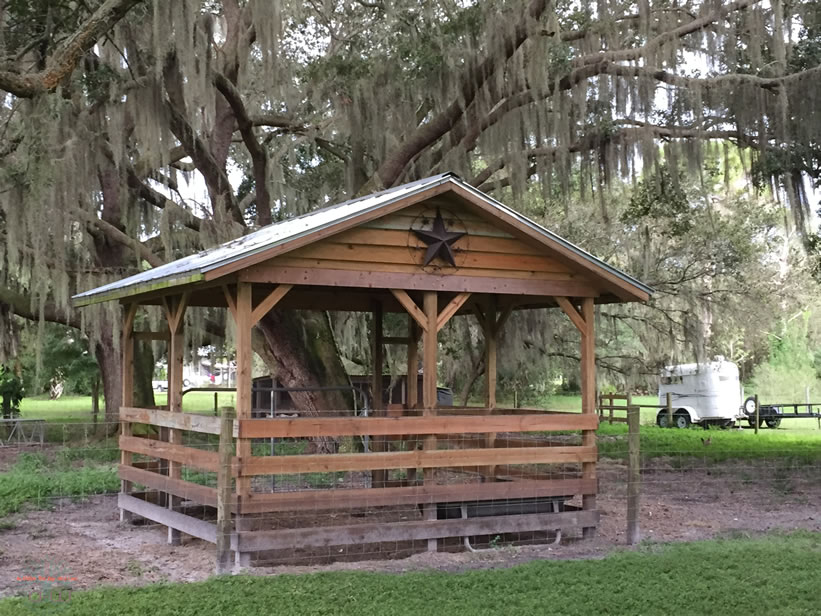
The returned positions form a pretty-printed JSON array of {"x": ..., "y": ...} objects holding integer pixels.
[{"x": 518, "y": 447}]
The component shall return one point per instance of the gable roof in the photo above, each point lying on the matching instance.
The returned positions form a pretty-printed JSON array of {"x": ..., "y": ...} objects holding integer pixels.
[{"x": 230, "y": 256}]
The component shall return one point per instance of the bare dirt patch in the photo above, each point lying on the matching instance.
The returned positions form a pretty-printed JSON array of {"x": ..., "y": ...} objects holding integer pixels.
[{"x": 678, "y": 504}]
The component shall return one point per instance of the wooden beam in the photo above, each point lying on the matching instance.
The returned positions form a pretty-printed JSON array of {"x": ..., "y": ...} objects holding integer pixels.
[
  {"x": 127, "y": 379},
  {"x": 356, "y": 534},
  {"x": 414, "y": 333},
  {"x": 175, "y": 313},
  {"x": 178, "y": 487},
  {"x": 503, "y": 317},
  {"x": 187, "y": 456},
  {"x": 378, "y": 476},
  {"x": 491, "y": 374},
  {"x": 267, "y": 304},
  {"x": 224, "y": 492},
  {"x": 588, "y": 383},
  {"x": 570, "y": 310},
  {"x": 451, "y": 309},
  {"x": 281, "y": 274},
  {"x": 244, "y": 359},
  {"x": 229, "y": 299},
  {"x": 409, "y": 305},
  {"x": 207, "y": 531},
  {"x": 427, "y": 459},
  {"x": 318, "y": 500},
  {"x": 168, "y": 419},
  {"x": 429, "y": 395},
  {"x": 475, "y": 423}
]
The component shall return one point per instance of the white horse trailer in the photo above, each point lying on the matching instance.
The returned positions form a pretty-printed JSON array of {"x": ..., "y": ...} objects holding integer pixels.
[{"x": 704, "y": 394}]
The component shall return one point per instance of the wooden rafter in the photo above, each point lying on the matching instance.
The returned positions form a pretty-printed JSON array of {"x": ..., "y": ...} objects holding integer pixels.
[
  {"x": 229, "y": 299},
  {"x": 267, "y": 304},
  {"x": 409, "y": 305},
  {"x": 571, "y": 311},
  {"x": 451, "y": 309}
]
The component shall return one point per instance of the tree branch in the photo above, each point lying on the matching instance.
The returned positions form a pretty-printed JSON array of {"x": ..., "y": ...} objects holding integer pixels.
[{"x": 66, "y": 57}]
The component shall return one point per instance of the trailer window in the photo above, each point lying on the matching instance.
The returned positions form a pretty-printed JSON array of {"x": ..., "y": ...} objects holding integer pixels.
[
  {"x": 725, "y": 378},
  {"x": 671, "y": 380}
]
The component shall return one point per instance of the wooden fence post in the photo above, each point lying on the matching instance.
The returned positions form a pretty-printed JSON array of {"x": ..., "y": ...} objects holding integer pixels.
[
  {"x": 669, "y": 410},
  {"x": 224, "y": 491},
  {"x": 633, "y": 475},
  {"x": 757, "y": 414}
]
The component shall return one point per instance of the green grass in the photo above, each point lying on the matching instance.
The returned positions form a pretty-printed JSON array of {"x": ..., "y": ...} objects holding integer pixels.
[
  {"x": 775, "y": 574},
  {"x": 34, "y": 481},
  {"x": 799, "y": 445},
  {"x": 78, "y": 408}
]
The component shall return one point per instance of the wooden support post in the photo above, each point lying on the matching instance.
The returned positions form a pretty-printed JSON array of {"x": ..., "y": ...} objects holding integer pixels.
[
  {"x": 633, "y": 475},
  {"x": 175, "y": 311},
  {"x": 588, "y": 383},
  {"x": 491, "y": 375},
  {"x": 412, "y": 397},
  {"x": 127, "y": 349},
  {"x": 224, "y": 491},
  {"x": 378, "y": 476},
  {"x": 429, "y": 397},
  {"x": 669, "y": 410},
  {"x": 413, "y": 363},
  {"x": 757, "y": 414},
  {"x": 243, "y": 383}
]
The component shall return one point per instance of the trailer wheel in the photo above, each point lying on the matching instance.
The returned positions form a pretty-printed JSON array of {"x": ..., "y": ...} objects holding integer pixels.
[
  {"x": 751, "y": 421},
  {"x": 661, "y": 420},
  {"x": 681, "y": 419},
  {"x": 773, "y": 423}
]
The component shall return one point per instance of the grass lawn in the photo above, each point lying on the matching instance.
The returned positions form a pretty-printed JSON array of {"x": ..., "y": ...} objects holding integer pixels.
[
  {"x": 775, "y": 574},
  {"x": 78, "y": 408}
]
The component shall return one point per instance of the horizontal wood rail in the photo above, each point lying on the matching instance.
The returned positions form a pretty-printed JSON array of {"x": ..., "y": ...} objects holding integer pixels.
[
  {"x": 207, "y": 531},
  {"x": 316, "y": 500},
  {"x": 187, "y": 456},
  {"x": 317, "y": 463},
  {"x": 309, "y": 427},
  {"x": 186, "y": 490},
  {"x": 410, "y": 531},
  {"x": 205, "y": 424}
]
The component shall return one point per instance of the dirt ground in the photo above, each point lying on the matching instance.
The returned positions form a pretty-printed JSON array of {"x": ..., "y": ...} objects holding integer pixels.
[{"x": 87, "y": 539}]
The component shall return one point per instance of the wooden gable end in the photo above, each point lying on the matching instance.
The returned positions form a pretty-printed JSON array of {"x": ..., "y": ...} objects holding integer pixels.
[{"x": 387, "y": 253}]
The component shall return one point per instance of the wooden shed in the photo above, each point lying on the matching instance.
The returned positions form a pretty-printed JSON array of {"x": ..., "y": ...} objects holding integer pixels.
[{"x": 434, "y": 249}]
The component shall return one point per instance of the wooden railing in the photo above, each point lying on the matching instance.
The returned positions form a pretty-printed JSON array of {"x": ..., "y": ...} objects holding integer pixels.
[{"x": 496, "y": 443}]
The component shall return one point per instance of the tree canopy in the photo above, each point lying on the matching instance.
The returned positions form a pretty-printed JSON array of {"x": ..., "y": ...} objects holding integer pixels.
[{"x": 673, "y": 138}]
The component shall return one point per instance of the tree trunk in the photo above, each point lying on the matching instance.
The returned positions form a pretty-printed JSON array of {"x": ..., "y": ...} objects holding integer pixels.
[
  {"x": 108, "y": 358},
  {"x": 305, "y": 355},
  {"x": 95, "y": 400},
  {"x": 143, "y": 374}
]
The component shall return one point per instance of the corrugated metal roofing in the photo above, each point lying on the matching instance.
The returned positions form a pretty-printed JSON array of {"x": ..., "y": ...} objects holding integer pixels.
[{"x": 193, "y": 268}]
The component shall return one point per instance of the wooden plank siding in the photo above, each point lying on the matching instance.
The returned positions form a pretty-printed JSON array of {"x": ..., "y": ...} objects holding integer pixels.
[
  {"x": 387, "y": 246},
  {"x": 411, "y": 531},
  {"x": 204, "y": 424},
  {"x": 310, "y": 427},
  {"x": 319, "y": 500},
  {"x": 429, "y": 458}
]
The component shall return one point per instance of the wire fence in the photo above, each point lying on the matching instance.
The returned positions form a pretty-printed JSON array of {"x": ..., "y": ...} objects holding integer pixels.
[{"x": 692, "y": 484}]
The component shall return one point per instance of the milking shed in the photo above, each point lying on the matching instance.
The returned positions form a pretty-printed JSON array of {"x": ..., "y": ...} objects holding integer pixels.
[{"x": 427, "y": 477}]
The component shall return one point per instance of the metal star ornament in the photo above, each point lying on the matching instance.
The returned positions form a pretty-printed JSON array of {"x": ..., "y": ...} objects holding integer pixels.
[{"x": 439, "y": 241}]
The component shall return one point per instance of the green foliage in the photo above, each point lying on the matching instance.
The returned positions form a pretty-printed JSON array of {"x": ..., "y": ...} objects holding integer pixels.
[
  {"x": 684, "y": 578},
  {"x": 661, "y": 199},
  {"x": 64, "y": 355},
  {"x": 791, "y": 366},
  {"x": 11, "y": 392},
  {"x": 36, "y": 482},
  {"x": 779, "y": 447}
]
